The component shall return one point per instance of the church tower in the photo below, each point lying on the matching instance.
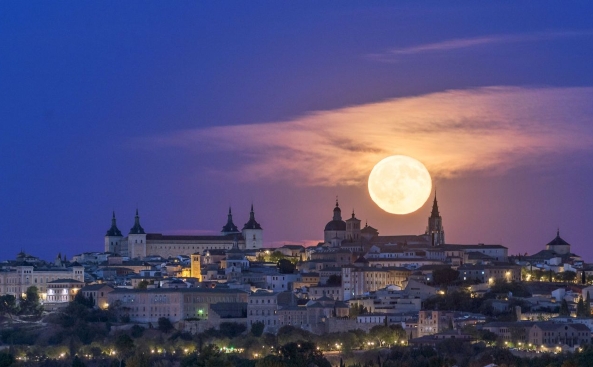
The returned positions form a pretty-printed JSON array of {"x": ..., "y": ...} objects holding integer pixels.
[
  {"x": 435, "y": 225},
  {"x": 113, "y": 238},
  {"x": 253, "y": 233},
  {"x": 137, "y": 240},
  {"x": 353, "y": 228}
]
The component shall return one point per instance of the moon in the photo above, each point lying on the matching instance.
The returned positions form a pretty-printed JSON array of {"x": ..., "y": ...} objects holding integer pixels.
[{"x": 399, "y": 184}]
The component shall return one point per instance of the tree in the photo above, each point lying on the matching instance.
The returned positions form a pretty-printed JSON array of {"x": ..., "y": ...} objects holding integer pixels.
[
  {"x": 124, "y": 345},
  {"x": 140, "y": 359},
  {"x": 231, "y": 329},
  {"x": 8, "y": 305},
  {"x": 277, "y": 256},
  {"x": 136, "y": 331},
  {"x": 568, "y": 276},
  {"x": 30, "y": 304},
  {"x": 581, "y": 309},
  {"x": 383, "y": 335},
  {"x": 444, "y": 276},
  {"x": 143, "y": 284},
  {"x": 210, "y": 356},
  {"x": 76, "y": 362},
  {"x": 257, "y": 329},
  {"x": 165, "y": 325},
  {"x": 81, "y": 299},
  {"x": 334, "y": 280},
  {"x": 564, "y": 310},
  {"x": 588, "y": 305},
  {"x": 356, "y": 310},
  {"x": 285, "y": 267},
  {"x": 302, "y": 354},
  {"x": 6, "y": 359},
  {"x": 260, "y": 257}
]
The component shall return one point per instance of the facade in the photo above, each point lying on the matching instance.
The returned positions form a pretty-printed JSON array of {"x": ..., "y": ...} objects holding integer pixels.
[
  {"x": 17, "y": 279},
  {"x": 176, "y": 304},
  {"x": 490, "y": 273},
  {"x": 433, "y": 322},
  {"x": 549, "y": 335},
  {"x": 360, "y": 280},
  {"x": 262, "y": 306},
  {"x": 62, "y": 290},
  {"x": 139, "y": 244},
  {"x": 98, "y": 294}
]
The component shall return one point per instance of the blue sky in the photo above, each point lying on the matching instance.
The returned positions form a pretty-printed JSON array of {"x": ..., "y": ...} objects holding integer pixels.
[{"x": 184, "y": 108}]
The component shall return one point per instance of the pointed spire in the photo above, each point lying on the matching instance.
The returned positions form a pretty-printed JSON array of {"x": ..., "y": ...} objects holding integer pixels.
[
  {"x": 558, "y": 232},
  {"x": 252, "y": 223},
  {"x": 229, "y": 227},
  {"x": 435, "y": 206},
  {"x": 113, "y": 231},
  {"x": 137, "y": 229}
]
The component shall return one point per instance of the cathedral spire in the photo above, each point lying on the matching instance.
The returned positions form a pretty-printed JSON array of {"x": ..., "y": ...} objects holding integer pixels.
[
  {"x": 435, "y": 224},
  {"x": 435, "y": 206}
]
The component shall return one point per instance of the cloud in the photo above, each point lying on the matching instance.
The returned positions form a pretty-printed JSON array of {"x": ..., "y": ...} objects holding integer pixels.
[
  {"x": 453, "y": 133},
  {"x": 461, "y": 43}
]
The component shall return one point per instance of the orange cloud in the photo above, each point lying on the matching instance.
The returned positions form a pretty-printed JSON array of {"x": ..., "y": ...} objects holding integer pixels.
[{"x": 453, "y": 133}]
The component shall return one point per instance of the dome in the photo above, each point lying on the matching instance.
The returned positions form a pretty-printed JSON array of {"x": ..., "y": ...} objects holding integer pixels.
[
  {"x": 336, "y": 225},
  {"x": 558, "y": 241}
]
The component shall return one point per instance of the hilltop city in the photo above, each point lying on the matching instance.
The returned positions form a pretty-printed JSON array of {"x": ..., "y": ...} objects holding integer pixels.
[{"x": 231, "y": 299}]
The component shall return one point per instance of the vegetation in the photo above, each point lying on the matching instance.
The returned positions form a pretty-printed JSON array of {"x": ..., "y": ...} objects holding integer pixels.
[
  {"x": 286, "y": 267},
  {"x": 257, "y": 329},
  {"x": 444, "y": 276}
]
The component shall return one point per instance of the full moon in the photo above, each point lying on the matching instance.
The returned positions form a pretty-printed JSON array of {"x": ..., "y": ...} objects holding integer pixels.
[{"x": 399, "y": 184}]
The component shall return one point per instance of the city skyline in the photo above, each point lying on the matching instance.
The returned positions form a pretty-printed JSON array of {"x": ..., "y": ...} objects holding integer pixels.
[{"x": 181, "y": 111}]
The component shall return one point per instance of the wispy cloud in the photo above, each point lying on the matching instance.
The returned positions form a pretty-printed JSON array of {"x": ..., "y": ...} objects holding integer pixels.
[
  {"x": 453, "y": 133},
  {"x": 461, "y": 43}
]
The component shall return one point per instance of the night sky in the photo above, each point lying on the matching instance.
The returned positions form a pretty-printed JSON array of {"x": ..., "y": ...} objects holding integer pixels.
[{"x": 182, "y": 108}]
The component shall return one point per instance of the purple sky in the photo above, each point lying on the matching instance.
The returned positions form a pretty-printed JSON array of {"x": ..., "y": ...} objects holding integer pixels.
[{"x": 185, "y": 108}]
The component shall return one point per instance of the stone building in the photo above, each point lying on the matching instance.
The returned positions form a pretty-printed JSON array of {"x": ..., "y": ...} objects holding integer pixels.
[
  {"x": 173, "y": 303},
  {"x": 139, "y": 244},
  {"x": 16, "y": 278}
]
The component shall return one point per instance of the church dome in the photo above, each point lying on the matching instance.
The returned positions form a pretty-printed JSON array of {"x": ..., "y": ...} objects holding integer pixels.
[
  {"x": 558, "y": 241},
  {"x": 337, "y": 224}
]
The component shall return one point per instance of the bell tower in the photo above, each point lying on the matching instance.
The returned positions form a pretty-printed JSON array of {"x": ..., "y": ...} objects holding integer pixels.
[{"x": 435, "y": 225}]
